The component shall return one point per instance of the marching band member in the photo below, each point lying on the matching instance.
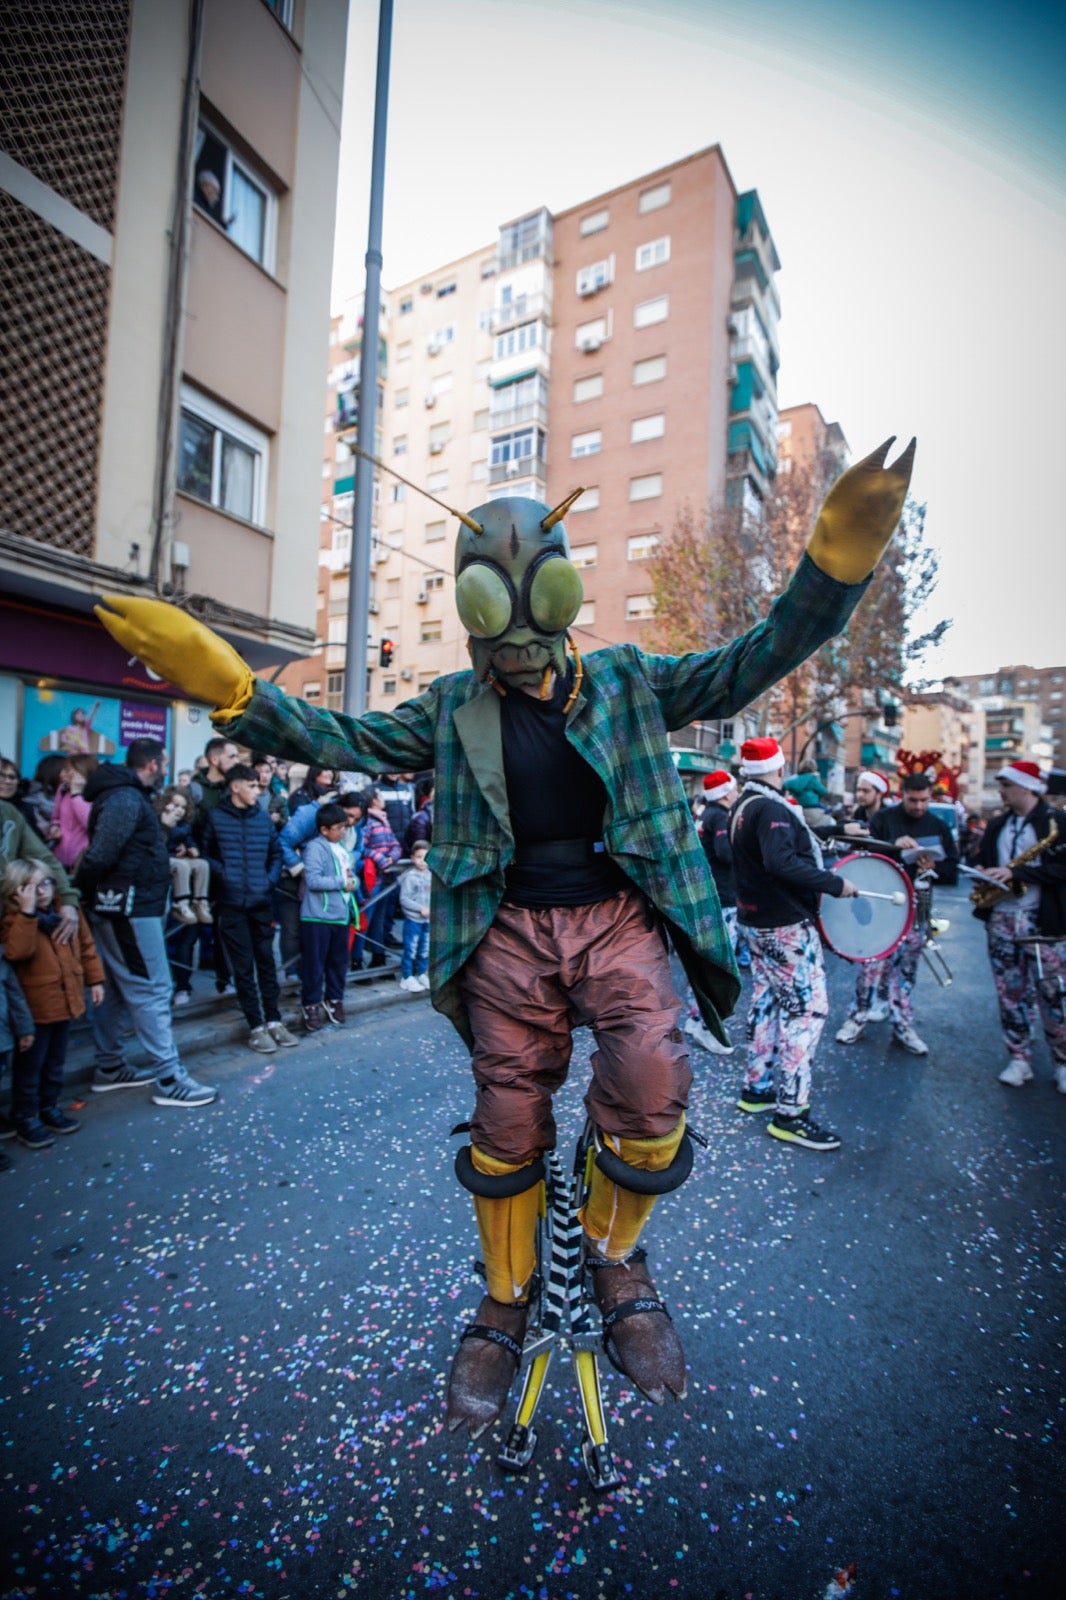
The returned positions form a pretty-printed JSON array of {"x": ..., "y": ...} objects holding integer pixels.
[
  {"x": 1021, "y": 852},
  {"x": 780, "y": 876},
  {"x": 870, "y": 791},
  {"x": 720, "y": 792},
  {"x": 907, "y": 826}
]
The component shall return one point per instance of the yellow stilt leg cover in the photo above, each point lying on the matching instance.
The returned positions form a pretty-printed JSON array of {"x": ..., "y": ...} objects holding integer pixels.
[
  {"x": 508, "y": 1230},
  {"x": 613, "y": 1217}
]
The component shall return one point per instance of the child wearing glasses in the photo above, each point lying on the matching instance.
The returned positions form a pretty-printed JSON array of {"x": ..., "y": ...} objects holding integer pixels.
[{"x": 53, "y": 978}]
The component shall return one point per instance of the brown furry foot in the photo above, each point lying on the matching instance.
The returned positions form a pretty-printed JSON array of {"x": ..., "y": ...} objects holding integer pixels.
[
  {"x": 642, "y": 1343},
  {"x": 484, "y": 1366}
]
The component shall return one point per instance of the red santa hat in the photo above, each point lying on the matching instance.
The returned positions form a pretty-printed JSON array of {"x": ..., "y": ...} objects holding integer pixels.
[
  {"x": 716, "y": 784},
  {"x": 1024, "y": 773},
  {"x": 875, "y": 780},
  {"x": 760, "y": 755}
]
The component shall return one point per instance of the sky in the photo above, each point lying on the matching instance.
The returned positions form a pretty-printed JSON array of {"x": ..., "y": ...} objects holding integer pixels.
[{"x": 911, "y": 162}]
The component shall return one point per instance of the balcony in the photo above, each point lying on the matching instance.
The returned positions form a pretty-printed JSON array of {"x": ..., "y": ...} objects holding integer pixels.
[
  {"x": 515, "y": 471},
  {"x": 531, "y": 411},
  {"x": 522, "y": 308}
]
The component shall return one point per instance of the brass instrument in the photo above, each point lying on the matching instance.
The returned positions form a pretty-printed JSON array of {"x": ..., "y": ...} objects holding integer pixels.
[{"x": 985, "y": 895}]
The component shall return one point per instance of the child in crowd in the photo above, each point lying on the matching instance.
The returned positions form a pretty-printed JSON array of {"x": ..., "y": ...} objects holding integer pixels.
[
  {"x": 16, "y": 1033},
  {"x": 190, "y": 875},
  {"x": 241, "y": 843},
  {"x": 68, "y": 833},
  {"x": 414, "y": 903},
  {"x": 327, "y": 910},
  {"x": 53, "y": 978}
]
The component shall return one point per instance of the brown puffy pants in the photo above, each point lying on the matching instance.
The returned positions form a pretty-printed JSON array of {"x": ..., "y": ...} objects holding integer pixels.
[{"x": 536, "y": 976}]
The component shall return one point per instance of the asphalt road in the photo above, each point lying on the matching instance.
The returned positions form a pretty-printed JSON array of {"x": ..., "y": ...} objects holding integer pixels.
[{"x": 225, "y": 1335}]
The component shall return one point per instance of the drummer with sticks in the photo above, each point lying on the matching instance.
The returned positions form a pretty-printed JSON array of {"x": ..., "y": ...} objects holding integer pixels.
[
  {"x": 779, "y": 880},
  {"x": 927, "y": 846}
]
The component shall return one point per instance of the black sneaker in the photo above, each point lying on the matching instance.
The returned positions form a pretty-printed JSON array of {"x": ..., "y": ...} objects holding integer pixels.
[
  {"x": 6, "y": 1163},
  {"x": 34, "y": 1135},
  {"x": 801, "y": 1130},
  {"x": 58, "y": 1122},
  {"x": 755, "y": 1100}
]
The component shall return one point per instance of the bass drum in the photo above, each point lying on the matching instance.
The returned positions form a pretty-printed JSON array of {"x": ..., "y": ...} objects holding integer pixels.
[{"x": 868, "y": 930}]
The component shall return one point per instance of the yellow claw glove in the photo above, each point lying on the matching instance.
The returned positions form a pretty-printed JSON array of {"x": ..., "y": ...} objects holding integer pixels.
[
  {"x": 182, "y": 650},
  {"x": 860, "y": 514}
]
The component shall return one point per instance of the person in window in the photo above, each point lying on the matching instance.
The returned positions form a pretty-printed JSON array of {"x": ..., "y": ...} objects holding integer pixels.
[
  {"x": 563, "y": 857},
  {"x": 208, "y": 195}
]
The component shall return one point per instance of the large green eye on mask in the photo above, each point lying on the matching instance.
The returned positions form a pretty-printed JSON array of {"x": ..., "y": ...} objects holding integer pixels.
[
  {"x": 483, "y": 600},
  {"x": 555, "y": 595}
]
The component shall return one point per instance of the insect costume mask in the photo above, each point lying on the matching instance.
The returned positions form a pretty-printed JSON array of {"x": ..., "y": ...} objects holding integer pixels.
[{"x": 516, "y": 590}]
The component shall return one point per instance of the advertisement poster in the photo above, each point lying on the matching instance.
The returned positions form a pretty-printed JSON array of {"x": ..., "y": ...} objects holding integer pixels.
[{"x": 78, "y": 722}]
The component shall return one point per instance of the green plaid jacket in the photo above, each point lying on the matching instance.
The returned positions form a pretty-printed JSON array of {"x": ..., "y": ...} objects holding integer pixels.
[{"x": 628, "y": 703}]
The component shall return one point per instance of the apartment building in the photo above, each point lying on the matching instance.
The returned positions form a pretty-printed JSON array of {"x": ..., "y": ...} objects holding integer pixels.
[
  {"x": 167, "y": 188},
  {"x": 1037, "y": 729},
  {"x": 628, "y": 344}
]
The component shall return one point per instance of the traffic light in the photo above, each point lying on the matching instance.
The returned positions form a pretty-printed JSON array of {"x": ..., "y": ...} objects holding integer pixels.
[
  {"x": 386, "y": 652},
  {"x": 890, "y": 712}
]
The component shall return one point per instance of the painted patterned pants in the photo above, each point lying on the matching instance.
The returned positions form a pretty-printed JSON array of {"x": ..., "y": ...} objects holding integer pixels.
[
  {"x": 729, "y": 917},
  {"x": 788, "y": 1011},
  {"x": 893, "y": 979},
  {"x": 1021, "y": 998}
]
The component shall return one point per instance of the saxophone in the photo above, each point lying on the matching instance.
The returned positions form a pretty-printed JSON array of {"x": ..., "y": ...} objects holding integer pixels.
[{"x": 985, "y": 895}]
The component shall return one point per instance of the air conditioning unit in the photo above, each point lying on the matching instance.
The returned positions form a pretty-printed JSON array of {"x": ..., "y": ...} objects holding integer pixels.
[
  {"x": 732, "y": 327},
  {"x": 422, "y": 597},
  {"x": 512, "y": 469},
  {"x": 734, "y": 372},
  {"x": 406, "y": 674},
  {"x": 588, "y": 289},
  {"x": 589, "y": 342},
  {"x": 373, "y": 607},
  {"x": 381, "y": 552},
  {"x": 436, "y": 447},
  {"x": 430, "y": 401},
  {"x": 433, "y": 347}
]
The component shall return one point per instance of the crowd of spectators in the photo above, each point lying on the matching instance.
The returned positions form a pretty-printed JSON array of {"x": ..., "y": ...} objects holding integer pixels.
[{"x": 117, "y": 886}]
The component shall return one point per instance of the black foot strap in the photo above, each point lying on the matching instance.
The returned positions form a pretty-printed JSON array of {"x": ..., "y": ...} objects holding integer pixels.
[
  {"x": 478, "y": 1330},
  {"x": 631, "y": 1308}
]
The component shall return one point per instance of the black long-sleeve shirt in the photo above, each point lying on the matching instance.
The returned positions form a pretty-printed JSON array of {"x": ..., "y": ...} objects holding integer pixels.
[{"x": 778, "y": 879}]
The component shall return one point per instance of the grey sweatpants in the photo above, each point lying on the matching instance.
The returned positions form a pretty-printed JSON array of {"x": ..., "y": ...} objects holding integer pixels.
[{"x": 134, "y": 953}]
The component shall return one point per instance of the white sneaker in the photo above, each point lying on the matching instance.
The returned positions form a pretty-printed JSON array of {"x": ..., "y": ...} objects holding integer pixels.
[
  {"x": 411, "y": 985},
  {"x": 1018, "y": 1073},
  {"x": 905, "y": 1036},
  {"x": 851, "y": 1030},
  {"x": 1060, "y": 1079},
  {"x": 702, "y": 1036},
  {"x": 181, "y": 997},
  {"x": 422, "y": 979},
  {"x": 878, "y": 1012}
]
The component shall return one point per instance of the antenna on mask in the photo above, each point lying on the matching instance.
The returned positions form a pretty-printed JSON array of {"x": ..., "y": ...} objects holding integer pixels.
[{"x": 469, "y": 522}]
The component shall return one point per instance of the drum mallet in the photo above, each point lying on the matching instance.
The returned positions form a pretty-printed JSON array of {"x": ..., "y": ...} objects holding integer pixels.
[{"x": 897, "y": 899}]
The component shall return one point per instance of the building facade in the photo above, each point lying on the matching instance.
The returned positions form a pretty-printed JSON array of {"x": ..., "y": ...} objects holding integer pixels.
[
  {"x": 1036, "y": 727},
  {"x": 168, "y": 188},
  {"x": 951, "y": 723}
]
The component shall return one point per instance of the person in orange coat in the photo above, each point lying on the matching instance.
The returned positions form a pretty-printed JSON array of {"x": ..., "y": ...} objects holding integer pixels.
[{"x": 53, "y": 977}]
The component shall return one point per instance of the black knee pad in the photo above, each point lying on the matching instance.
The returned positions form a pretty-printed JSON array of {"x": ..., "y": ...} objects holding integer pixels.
[
  {"x": 637, "y": 1181},
  {"x": 501, "y": 1187}
]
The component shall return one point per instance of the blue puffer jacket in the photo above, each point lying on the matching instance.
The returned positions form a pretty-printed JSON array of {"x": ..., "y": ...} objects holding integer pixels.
[
  {"x": 303, "y": 825},
  {"x": 245, "y": 856},
  {"x": 15, "y": 1020}
]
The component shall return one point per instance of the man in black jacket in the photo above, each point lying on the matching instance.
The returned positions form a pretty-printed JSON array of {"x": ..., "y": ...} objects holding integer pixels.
[
  {"x": 241, "y": 845},
  {"x": 1034, "y": 908},
  {"x": 124, "y": 879},
  {"x": 779, "y": 879},
  {"x": 720, "y": 791},
  {"x": 907, "y": 826}
]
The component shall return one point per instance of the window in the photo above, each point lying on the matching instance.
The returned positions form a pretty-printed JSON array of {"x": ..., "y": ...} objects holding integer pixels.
[
  {"x": 430, "y": 633},
  {"x": 586, "y": 444},
  {"x": 649, "y": 371},
  {"x": 313, "y": 691},
  {"x": 397, "y": 492},
  {"x": 649, "y": 311},
  {"x": 441, "y": 384},
  {"x": 595, "y": 222},
  {"x": 588, "y": 388},
  {"x": 653, "y": 254},
  {"x": 406, "y": 304},
  {"x": 646, "y": 487},
  {"x": 226, "y": 190},
  {"x": 439, "y": 339},
  {"x": 513, "y": 453},
  {"x": 527, "y": 336},
  {"x": 644, "y": 428},
  {"x": 221, "y": 459},
  {"x": 388, "y": 685},
  {"x": 433, "y": 580},
  {"x": 434, "y": 531},
  {"x": 446, "y": 288},
  {"x": 586, "y": 615},
  {"x": 589, "y": 501},
  {"x": 479, "y": 471},
  {"x": 597, "y": 276},
  {"x": 590, "y": 335},
  {"x": 584, "y": 555},
  {"x": 481, "y": 420},
  {"x": 639, "y": 607},
  {"x": 641, "y": 546},
  {"x": 399, "y": 445},
  {"x": 403, "y": 350},
  {"x": 653, "y": 199},
  {"x": 437, "y": 482}
]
